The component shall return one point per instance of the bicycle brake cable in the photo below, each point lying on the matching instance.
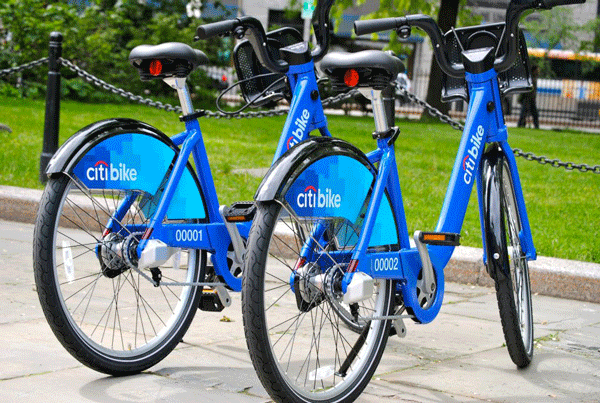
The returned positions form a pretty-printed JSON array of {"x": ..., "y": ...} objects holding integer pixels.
[{"x": 252, "y": 102}]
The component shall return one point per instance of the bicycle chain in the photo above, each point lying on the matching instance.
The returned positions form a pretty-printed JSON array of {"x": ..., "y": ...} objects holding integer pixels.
[
  {"x": 23, "y": 67},
  {"x": 556, "y": 163}
]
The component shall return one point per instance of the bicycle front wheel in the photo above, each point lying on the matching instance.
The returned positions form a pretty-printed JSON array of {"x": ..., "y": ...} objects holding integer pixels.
[
  {"x": 298, "y": 342},
  {"x": 512, "y": 275},
  {"x": 107, "y": 315}
]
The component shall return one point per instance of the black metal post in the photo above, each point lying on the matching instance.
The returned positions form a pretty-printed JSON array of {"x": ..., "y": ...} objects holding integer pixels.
[{"x": 52, "y": 103}]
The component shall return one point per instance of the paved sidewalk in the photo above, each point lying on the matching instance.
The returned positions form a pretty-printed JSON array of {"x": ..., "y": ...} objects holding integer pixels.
[{"x": 459, "y": 357}]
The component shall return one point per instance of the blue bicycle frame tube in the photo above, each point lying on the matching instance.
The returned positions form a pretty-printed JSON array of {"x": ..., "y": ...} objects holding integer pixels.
[
  {"x": 192, "y": 144},
  {"x": 525, "y": 235},
  {"x": 485, "y": 124},
  {"x": 387, "y": 178},
  {"x": 481, "y": 125},
  {"x": 306, "y": 111},
  {"x": 306, "y": 114}
]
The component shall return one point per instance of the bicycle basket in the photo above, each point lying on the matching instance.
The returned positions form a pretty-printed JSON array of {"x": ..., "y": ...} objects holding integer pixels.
[
  {"x": 516, "y": 79},
  {"x": 247, "y": 66}
]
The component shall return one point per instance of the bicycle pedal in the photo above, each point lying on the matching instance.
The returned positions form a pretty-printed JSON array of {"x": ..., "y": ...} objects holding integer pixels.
[
  {"x": 440, "y": 238},
  {"x": 210, "y": 301},
  {"x": 239, "y": 211}
]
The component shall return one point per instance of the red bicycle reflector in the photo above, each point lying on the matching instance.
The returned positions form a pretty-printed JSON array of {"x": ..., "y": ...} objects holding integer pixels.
[
  {"x": 147, "y": 233},
  {"x": 352, "y": 266},
  {"x": 299, "y": 263},
  {"x": 155, "y": 67},
  {"x": 351, "y": 78}
]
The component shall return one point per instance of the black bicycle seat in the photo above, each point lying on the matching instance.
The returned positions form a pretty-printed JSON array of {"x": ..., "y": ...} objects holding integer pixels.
[
  {"x": 170, "y": 59},
  {"x": 375, "y": 68}
]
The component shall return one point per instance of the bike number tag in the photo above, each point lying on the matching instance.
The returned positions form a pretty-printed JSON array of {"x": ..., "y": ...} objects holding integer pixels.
[{"x": 385, "y": 264}]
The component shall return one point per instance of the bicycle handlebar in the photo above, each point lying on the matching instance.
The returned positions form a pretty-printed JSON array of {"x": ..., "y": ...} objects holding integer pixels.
[
  {"x": 255, "y": 33},
  {"x": 216, "y": 28},
  {"x": 548, "y": 4},
  {"x": 321, "y": 27},
  {"x": 427, "y": 24}
]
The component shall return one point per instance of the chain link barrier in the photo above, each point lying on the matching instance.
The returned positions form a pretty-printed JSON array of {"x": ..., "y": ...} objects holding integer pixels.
[
  {"x": 170, "y": 108},
  {"x": 436, "y": 113},
  {"x": 23, "y": 67},
  {"x": 556, "y": 163}
]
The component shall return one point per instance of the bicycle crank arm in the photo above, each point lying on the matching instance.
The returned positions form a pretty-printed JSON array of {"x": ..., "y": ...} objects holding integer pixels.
[{"x": 432, "y": 238}]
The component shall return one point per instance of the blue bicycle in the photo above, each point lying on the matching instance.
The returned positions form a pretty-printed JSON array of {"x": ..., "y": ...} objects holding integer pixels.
[
  {"x": 126, "y": 223},
  {"x": 330, "y": 266}
]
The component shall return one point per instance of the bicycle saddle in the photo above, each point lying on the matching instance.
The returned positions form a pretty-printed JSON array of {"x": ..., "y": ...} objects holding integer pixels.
[
  {"x": 375, "y": 68},
  {"x": 170, "y": 59}
]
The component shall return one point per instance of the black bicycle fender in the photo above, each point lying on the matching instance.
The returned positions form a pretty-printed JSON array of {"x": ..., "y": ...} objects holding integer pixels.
[
  {"x": 67, "y": 156},
  {"x": 495, "y": 244},
  {"x": 290, "y": 165}
]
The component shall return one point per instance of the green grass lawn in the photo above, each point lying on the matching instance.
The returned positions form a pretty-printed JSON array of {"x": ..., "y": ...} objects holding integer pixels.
[{"x": 563, "y": 206}]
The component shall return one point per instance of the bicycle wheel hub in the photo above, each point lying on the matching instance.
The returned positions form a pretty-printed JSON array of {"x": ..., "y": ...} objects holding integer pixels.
[
  {"x": 117, "y": 254},
  {"x": 308, "y": 286}
]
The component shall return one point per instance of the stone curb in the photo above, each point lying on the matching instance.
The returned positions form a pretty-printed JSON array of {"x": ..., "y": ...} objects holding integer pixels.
[{"x": 549, "y": 276}]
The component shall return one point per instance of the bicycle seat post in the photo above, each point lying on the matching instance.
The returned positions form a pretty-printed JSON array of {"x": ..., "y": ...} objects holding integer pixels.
[
  {"x": 179, "y": 84},
  {"x": 381, "y": 109}
]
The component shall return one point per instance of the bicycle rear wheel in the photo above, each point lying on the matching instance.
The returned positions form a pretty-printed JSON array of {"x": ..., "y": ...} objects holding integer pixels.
[
  {"x": 301, "y": 349},
  {"x": 107, "y": 315},
  {"x": 513, "y": 289}
]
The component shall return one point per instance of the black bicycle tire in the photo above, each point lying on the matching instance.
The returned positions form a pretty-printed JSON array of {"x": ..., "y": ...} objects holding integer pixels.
[
  {"x": 255, "y": 326},
  {"x": 50, "y": 299},
  {"x": 496, "y": 242}
]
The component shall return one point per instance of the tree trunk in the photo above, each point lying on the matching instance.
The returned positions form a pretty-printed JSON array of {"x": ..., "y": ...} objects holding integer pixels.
[{"x": 446, "y": 20}]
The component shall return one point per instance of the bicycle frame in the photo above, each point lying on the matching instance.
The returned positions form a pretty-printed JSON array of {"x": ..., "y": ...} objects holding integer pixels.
[
  {"x": 484, "y": 125},
  {"x": 211, "y": 234}
]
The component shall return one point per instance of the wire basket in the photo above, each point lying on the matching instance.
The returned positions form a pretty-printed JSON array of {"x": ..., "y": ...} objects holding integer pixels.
[
  {"x": 516, "y": 79},
  {"x": 253, "y": 77}
]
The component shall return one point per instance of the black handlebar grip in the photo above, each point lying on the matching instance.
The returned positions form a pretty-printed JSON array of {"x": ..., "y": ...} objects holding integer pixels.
[
  {"x": 371, "y": 26},
  {"x": 553, "y": 3},
  {"x": 215, "y": 28}
]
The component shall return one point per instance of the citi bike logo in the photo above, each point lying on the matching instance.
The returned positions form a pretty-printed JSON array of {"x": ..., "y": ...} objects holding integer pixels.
[
  {"x": 300, "y": 124},
  {"x": 468, "y": 163},
  {"x": 102, "y": 171},
  {"x": 312, "y": 197}
]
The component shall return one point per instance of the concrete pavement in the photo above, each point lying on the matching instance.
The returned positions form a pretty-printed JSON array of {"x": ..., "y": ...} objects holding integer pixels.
[{"x": 459, "y": 357}]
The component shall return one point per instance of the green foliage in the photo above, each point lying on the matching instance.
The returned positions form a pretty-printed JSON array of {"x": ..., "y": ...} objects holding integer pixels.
[
  {"x": 555, "y": 26},
  {"x": 558, "y": 26},
  {"x": 97, "y": 38},
  {"x": 398, "y": 8}
]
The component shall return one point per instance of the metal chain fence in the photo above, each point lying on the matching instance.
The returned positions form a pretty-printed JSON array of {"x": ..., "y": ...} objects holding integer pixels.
[
  {"x": 556, "y": 163},
  {"x": 23, "y": 67}
]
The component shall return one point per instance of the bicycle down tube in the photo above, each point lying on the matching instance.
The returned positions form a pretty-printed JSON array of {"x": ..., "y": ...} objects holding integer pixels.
[{"x": 484, "y": 125}]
